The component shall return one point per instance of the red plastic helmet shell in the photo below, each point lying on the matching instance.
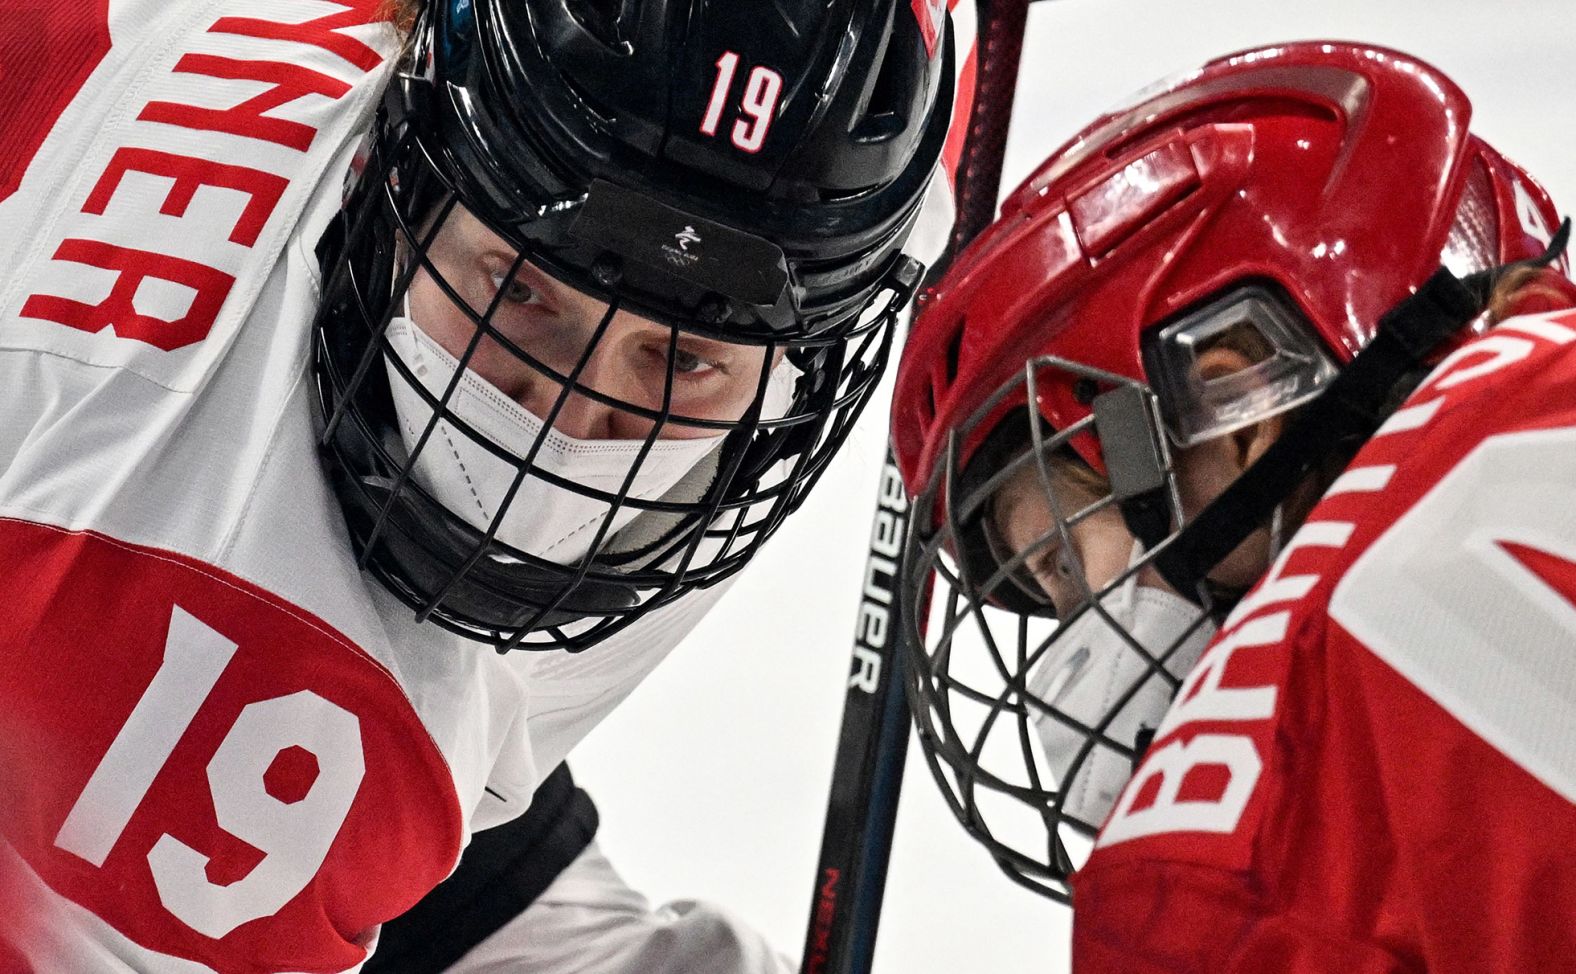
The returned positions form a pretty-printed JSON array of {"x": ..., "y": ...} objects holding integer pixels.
[{"x": 1332, "y": 170}]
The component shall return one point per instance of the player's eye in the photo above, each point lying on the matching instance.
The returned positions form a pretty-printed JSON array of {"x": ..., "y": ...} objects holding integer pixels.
[
  {"x": 515, "y": 291},
  {"x": 1050, "y": 562},
  {"x": 1054, "y": 571},
  {"x": 687, "y": 362}
]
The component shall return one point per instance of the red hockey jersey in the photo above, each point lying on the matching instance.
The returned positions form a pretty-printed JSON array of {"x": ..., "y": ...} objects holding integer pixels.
[{"x": 1372, "y": 769}]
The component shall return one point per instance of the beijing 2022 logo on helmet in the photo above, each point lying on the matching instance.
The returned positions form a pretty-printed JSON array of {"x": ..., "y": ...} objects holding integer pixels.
[{"x": 680, "y": 256}]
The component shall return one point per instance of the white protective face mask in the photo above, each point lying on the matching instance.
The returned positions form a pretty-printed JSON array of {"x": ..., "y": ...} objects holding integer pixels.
[
  {"x": 544, "y": 520},
  {"x": 1090, "y": 666}
]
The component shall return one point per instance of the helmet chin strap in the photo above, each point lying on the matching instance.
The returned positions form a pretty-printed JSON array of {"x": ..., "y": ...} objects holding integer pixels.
[{"x": 1330, "y": 429}]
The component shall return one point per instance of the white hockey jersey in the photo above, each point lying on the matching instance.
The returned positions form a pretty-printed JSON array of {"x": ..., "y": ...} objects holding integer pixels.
[{"x": 221, "y": 746}]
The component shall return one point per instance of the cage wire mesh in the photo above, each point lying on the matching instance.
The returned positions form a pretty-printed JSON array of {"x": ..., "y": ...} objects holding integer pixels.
[{"x": 975, "y": 663}]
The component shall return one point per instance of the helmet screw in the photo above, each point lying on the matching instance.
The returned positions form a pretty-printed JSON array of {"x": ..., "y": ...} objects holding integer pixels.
[
  {"x": 607, "y": 270},
  {"x": 1085, "y": 389},
  {"x": 713, "y": 310}
]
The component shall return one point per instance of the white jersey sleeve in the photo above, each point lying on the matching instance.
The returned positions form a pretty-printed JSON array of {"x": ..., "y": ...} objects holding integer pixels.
[{"x": 589, "y": 921}]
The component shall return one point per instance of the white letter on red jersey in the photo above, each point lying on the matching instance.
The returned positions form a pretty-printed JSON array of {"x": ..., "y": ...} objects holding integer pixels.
[{"x": 1172, "y": 764}]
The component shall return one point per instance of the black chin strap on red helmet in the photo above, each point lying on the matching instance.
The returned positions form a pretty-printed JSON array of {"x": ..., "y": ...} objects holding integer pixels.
[{"x": 1329, "y": 430}]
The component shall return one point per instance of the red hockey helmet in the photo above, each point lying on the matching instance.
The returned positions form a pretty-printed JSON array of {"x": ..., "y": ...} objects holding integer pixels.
[
  {"x": 1314, "y": 183},
  {"x": 1299, "y": 192}
]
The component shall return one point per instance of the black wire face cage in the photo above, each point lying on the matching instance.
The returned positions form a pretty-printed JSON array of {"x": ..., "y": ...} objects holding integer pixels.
[
  {"x": 980, "y": 633},
  {"x": 647, "y": 550}
]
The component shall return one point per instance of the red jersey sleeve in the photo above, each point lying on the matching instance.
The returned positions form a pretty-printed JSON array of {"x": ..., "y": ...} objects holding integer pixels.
[{"x": 1371, "y": 769}]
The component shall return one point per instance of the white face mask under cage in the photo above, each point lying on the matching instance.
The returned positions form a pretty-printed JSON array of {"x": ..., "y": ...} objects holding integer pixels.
[
  {"x": 1093, "y": 663},
  {"x": 543, "y": 519}
]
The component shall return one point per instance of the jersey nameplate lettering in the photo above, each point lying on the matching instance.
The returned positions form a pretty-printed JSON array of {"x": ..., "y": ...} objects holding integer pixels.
[{"x": 157, "y": 233}]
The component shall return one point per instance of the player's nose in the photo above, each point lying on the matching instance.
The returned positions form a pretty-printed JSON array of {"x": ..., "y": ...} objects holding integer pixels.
[
  {"x": 582, "y": 417},
  {"x": 596, "y": 406}
]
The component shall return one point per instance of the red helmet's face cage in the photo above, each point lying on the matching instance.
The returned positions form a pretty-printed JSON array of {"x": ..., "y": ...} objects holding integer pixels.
[
  {"x": 491, "y": 124},
  {"x": 992, "y": 672},
  {"x": 1295, "y": 193}
]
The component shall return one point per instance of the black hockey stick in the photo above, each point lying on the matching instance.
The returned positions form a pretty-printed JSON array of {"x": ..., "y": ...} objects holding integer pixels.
[{"x": 856, "y": 841}]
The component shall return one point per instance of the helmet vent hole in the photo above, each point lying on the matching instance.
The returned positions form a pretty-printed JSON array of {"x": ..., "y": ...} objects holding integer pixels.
[
  {"x": 884, "y": 112},
  {"x": 1227, "y": 112},
  {"x": 1473, "y": 244},
  {"x": 602, "y": 19},
  {"x": 954, "y": 352}
]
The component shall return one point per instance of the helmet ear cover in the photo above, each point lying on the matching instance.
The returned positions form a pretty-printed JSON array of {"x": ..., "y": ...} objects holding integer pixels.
[
  {"x": 1289, "y": 365},
  {"x": 1329, "y": 431}
]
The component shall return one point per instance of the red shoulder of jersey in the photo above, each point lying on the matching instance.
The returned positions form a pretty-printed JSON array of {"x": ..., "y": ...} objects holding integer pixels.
[
  {"x": 1374, "y": 755},
  {"x": 213, "y": 772}
]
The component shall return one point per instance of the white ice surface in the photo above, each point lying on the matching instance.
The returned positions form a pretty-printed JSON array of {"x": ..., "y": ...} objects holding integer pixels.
[{"x": 712, "y": 778}]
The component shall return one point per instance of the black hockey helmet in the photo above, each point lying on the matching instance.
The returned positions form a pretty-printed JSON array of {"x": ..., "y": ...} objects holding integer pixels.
[{"x": 738, "y": 172}]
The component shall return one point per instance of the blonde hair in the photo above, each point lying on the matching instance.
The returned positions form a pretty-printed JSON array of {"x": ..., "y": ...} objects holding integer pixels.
[
  {"x": 401, "y": 13},
  {"x": 1525, "y": 290}
]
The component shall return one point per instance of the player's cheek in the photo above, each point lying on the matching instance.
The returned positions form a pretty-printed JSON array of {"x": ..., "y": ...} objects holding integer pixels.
[
  {"x": 1105, "y": 546},
  {"x": 503, "y": 370}
]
